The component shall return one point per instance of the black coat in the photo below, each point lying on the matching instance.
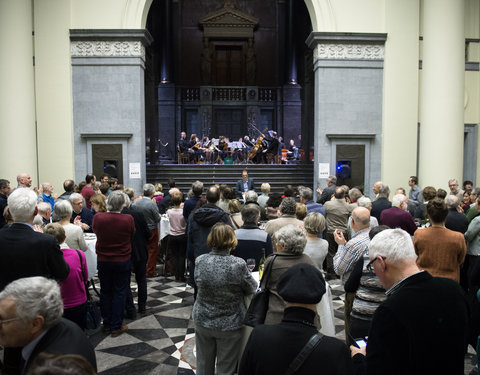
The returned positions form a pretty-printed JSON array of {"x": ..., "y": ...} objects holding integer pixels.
[
  {"x": 456, "y": 221},
  {"x": 26, "y": 253},
  {"x": 65, "y": 338},
  {"x": 421, "y": 328},
  {"x": 326, "y": 194},
  {"x": 271, "y": 348},
  {"x": 141, "y": 236},
  {"x": 379, "y": 205}
]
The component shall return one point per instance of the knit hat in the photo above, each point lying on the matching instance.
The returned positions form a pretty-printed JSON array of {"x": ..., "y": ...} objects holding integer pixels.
[{"x": 302, "y": 283}]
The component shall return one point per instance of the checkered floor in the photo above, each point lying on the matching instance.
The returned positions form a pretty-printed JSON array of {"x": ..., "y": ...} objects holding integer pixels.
[{"x": 163, "y": 340}]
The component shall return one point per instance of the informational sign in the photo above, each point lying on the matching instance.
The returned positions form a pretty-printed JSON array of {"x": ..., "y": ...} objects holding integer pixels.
[
  {"x": 134, "y": 170},
  {"x": 323, "y": 170}
]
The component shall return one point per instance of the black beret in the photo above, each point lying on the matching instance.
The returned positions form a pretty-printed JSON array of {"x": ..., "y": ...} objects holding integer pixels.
[{"x": 302, "y": 283}]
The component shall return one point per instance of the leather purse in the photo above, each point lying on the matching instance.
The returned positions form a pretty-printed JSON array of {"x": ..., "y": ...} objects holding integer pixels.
[{"x": 257, "y": 310}]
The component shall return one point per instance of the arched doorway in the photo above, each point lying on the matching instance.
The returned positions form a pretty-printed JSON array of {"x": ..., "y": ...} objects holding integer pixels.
[{"x": 227, "y": 68}]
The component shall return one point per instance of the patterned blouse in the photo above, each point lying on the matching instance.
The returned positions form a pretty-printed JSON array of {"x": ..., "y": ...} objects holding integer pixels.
[{"x": 222, "y": 282}]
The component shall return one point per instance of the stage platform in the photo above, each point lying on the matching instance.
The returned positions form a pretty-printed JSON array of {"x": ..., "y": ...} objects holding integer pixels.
[{"x": 277, "y": 175}]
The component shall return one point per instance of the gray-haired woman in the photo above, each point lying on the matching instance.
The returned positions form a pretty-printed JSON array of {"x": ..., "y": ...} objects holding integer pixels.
[
  {"x": 290, "y": 242},
  {"x": 223, "y": 281}
]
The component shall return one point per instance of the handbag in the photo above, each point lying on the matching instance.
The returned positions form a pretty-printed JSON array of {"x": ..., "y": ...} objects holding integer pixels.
[
  {"x": 257, "y": 310},
  {"x": 93, "y": 315}
]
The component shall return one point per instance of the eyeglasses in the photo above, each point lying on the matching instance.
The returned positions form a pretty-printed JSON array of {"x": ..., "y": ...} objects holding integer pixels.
[
  {"x": 8, "y": 320},
  {"x": 369, "y": 266}
]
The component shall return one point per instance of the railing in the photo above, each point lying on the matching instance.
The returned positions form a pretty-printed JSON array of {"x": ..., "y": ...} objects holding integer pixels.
[{"x": 229, "y": 94}]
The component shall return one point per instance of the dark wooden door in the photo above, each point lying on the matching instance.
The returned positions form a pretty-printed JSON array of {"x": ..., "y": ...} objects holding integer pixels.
[{"x": 229, "y": 64}]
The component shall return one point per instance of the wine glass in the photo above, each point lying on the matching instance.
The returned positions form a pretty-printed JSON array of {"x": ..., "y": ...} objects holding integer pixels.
[{"x": 251, "y": 264}]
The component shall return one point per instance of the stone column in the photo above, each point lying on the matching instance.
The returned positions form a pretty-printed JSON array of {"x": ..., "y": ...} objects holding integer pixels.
[
  {"x": 109, "y": 98},
  {"x": 166, "y": 66},
  {"x": 290, "y": 50},
  {"x": 18, "y": 144},
  {"x": 442, "y": 93},
  {"x": 348, "y": 99}
]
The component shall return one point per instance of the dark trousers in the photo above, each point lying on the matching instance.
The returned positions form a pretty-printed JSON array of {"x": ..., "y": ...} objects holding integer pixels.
[
  {"x": 152, "y": 252},
  {"x": 77, "y": 314},
  {"x": 114, "y": 283},
  {"x": 332, "y": 250},
  {"x": 139, "y": 268},
  {"x": 178, "y": 249}
]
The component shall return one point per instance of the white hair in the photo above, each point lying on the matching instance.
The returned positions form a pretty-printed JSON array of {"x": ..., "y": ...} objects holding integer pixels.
[
  {"x": 292, "y": 238},
  {"x": 364, "y": 202},
  {"x": 35, "y": 296},
  {"x": 398, "y": 199},
  {"x": 251, "y": 196},
  {"x": 74, "y": 196},
  {"x": 393, "y": 244},
  {"x": 116, "y": 201},
  {"x": 44, "y": 207},
  {"x": 63, "y": 209},
  {"x": 22, "y": 203}
]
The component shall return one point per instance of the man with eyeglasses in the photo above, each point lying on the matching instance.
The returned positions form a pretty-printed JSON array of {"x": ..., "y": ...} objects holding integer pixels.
[
  {"x": 422, "y": 327},
  {"x": 454, "y": 190},
  {"x": 31, "y": 319}
]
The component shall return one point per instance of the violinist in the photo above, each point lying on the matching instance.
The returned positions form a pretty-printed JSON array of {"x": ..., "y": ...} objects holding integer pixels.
[
  {"x": 207, "y": 152},
  {"x": 223, "y": 147}
]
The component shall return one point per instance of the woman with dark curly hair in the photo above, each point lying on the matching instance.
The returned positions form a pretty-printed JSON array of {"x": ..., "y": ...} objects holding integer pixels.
[
  {"x": 273, "y": 204},
  {"x": 440, "y": 251},
  {"x": 222, "y": 281}
]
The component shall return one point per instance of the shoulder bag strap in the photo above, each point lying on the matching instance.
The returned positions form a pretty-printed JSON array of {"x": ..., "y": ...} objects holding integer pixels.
[
  {"x": 267, "y": 272},
  {"x": 85, "y": 282},
  {"x": 304, "y": 353}
]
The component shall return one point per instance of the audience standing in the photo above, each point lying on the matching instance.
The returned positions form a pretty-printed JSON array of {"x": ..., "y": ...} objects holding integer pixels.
[
  {"x": 177, "y": 242},
  {"x": 219, "y": 309},
  {"x": 397, "y": 216},
  {"x": 149, "y": 209},
  {"x": 420, "y": 312}
]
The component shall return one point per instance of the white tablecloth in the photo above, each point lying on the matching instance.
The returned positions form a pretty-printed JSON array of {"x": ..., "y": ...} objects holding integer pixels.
[
  {"x": 90, "y": 254},
  {"x": 163, "y": 228}
]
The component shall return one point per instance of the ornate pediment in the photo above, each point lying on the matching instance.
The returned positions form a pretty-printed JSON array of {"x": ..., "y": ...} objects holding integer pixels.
[{"x": 228, "y": 22}]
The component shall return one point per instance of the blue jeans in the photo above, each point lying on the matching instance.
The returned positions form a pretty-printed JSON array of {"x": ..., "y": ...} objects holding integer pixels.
[{"x": 114, "y": 283}]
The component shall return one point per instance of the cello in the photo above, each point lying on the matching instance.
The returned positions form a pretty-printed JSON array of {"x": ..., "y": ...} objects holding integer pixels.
[{"x": 258, "y": 146}]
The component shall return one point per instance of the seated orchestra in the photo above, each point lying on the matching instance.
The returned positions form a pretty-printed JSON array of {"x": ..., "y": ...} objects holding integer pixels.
[{"x": 266, "y": 149}]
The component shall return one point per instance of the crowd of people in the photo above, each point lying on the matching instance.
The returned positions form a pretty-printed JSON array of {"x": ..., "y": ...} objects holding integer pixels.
[{"x": 408, "y": 266}]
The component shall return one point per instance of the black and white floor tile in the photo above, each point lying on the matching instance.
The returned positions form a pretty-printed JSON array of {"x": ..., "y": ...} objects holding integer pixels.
[{"x": 163, "y": 340}]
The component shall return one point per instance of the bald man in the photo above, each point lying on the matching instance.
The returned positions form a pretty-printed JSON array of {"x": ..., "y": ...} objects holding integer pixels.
[
  {"x": 24, "y": 180},
  {"x": 350, "y": 252}
]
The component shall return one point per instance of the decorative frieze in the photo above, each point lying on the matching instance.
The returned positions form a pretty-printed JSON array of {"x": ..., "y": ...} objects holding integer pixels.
[
  {"x": 106, "y": 48},
  {"x": 340, "y": 51}
]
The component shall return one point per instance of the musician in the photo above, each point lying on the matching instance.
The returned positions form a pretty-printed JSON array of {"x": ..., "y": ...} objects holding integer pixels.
[
  {"x": 206, "y": 150},
  {"x": 292, "y": 151},
  {"x": 223, "y": 147},
  {"x": 183, "y": 143},
  {"x": 272, "y": 148}
]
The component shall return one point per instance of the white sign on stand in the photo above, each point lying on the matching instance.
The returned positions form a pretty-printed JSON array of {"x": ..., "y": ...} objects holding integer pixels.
[
  {"x": 323, "y": 170},
  {"x": 134, "y": 170}
]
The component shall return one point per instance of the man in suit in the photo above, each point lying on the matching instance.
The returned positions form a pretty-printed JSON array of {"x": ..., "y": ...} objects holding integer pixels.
[
  {"x": 4, "y": 192},
  {"x": 397, "y": 216},
  {"x": 139, "y": 257},
  {"x": 81, "y": 216},
  {"x": 25, "y": 253},
  {"x": 245, "y": 184},
  {"x": 272, "y": 348},
  {"x": 422, "y": 326},
  {"x": 382, "y": 202},
  {"x": 31, "y": 310}
]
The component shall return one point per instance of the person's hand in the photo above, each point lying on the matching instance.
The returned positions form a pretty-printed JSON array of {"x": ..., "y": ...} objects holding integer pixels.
[
  {"x": 354, "y": 350},
  {"x": 77, "y": 221},
  {"x": 84, "y": 226},
  {"x": 460, "y": 209},
  {"x": 319, "y": 191},
  {"x": 37, "y": 228},
  {"x": 339, "y": 238}
]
